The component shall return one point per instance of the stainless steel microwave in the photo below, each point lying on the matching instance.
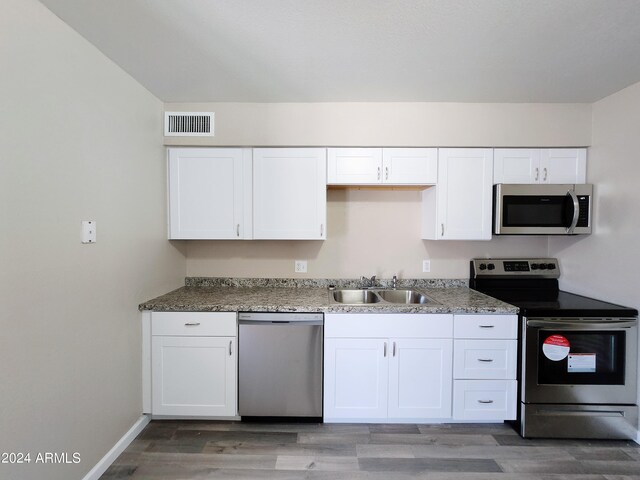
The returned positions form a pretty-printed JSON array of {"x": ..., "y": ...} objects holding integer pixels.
[{"x": 544, "y": 209}]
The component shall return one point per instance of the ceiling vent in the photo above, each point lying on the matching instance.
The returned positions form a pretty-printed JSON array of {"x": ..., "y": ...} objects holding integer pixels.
[{"x": 188, "y": 124}]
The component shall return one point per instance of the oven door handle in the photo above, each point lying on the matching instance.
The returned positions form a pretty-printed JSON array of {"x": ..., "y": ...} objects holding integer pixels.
[{"x": 582, "y": 325}]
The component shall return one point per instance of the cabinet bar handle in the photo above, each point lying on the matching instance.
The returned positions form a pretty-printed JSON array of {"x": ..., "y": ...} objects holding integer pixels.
[
  {"x": 386, "y": 173},
  {"x": 544, "y": 175},
  {"x": 537, "y": 174},
  {"x": 394, "y": 349},
  {"x": 192, "y": 324},
  {"x": 485, "y": 359},
  {"x": 485, "y": 401},
  {"x": 230, "y": 342},
  {"x": 385, "y": 349},
  {"x": 378, "y": 173},
  {"x": 486, "y": 326},
  {"x": 237, "y": 230},
  {"x": 442, "y": 229},
  {"x": 321, "y": 229}
]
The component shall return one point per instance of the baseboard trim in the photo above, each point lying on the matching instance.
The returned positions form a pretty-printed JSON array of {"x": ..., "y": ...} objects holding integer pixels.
[{"x": 105, "y": 462}]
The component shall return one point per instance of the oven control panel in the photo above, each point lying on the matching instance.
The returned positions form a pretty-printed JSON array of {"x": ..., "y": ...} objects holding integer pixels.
[{"x": 515, "y": 267}]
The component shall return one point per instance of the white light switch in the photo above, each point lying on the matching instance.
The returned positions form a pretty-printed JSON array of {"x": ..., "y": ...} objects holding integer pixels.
[
  {"x": 426, "y": 266},
  {"x": 300, "y": 266},
  {"x": 88, "y": 231}
]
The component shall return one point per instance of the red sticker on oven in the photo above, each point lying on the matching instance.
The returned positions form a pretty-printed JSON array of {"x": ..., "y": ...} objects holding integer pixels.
[{"x": 556, "y": 347}]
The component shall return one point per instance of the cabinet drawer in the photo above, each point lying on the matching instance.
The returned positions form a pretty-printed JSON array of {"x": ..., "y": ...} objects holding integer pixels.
[
  {"x": 195, "y": 324},
  {"x": 484, "y": 399},
  {"x": 484, "y": 359},
  {"x": 485, "y": 326}
]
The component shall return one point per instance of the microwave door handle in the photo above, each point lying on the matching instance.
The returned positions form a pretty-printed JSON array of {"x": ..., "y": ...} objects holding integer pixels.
[{"x": 576, "y": 211}]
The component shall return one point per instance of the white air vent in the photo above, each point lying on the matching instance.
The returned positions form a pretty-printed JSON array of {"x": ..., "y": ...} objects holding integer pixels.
[{"x": 188, "y": 124}]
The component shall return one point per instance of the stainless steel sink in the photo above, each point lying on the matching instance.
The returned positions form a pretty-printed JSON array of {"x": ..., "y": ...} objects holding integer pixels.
[
  {"x": 403, "y": 296},
  {"x": 356, "y": 296},
  {"x": 362, "y": 296}
]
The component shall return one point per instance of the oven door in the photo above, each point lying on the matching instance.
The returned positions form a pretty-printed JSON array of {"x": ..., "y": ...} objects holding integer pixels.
[{"x": 579, "y": 361}]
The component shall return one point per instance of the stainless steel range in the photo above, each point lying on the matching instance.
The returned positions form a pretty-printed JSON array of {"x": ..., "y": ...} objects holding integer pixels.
[{"x": 577, "y": 357}]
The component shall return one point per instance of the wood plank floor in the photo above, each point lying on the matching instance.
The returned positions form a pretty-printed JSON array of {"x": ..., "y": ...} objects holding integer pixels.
[{"x": 189, "y": 450}]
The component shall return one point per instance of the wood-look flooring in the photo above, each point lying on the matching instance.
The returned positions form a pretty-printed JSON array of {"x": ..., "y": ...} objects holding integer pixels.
[{"x": 189, "y": 450}]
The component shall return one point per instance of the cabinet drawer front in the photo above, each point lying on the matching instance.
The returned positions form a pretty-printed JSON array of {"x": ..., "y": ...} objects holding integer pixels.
[
  {"x": 196, "y": 324},
  {"x": 485, "y": 326},
  {"x": 385, "y": 325},
  {"x": 484, "y": 399},
  {"x": 488, "y": 359}
]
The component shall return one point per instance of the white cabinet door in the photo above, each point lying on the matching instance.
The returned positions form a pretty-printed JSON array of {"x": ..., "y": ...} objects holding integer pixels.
[
  {"x": 376, "y": 166},
  {"x": 420, "y": 380},
  {"x": 209, "y": 193},
  {"x": 459, "y": 206},
  {"x": 356, "y": 378},
  {"x": 354, "y": 166},
  {"x": 563, "y": 165},
  {"x": 410, "y": 166},
  {"x": 289, "y": 193},
  {"x": 193, "y": 376},
  {"x": 516, "y": 165},
  {"x": 540, "y": 165}
]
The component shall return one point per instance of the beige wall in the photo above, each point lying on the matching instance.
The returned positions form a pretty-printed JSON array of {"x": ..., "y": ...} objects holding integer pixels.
[
  {"x": 375, "y": 231},
  {"x": 394, "y": 124},
  {"x": 606, "y": 263},
  {"x": 80, "y": 141},
  {"x": 369, "y": 232}
]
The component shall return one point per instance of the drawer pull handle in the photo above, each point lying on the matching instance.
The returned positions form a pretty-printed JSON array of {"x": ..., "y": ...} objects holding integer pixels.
[
  {"x": 192, "y": 324},
  {"x": 485, "y": 401},
  {"x": 486, "y": 326},
  {"x": 485, "y": 359},
  {"x": 230, "y": 342}
]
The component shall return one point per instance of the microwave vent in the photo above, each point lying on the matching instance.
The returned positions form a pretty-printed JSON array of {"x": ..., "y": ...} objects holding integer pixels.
[{"x": 188, "y": 124}]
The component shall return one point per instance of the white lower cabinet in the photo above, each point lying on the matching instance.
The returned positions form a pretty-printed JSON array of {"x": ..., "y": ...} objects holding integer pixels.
[
  {"x": 484, "y": 367},
  {"x": 193, "y": 364},
  {"x": 396, "y": 373}
]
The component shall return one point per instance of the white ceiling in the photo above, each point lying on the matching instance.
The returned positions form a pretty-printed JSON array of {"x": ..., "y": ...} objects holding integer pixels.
[{"x": 367, "y": 50}]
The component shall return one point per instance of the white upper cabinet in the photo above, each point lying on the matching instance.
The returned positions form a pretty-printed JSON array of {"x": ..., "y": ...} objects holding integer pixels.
[
  {"x": 540, "y": 165},
  {"x": 209, "y": 193},
  {"x": 459, "y": 206},
  {"x": 375, "y": 166},
  {"x": 407, "y": 166},
  {"x": 354, "y": 166},
  {"x": 289, "y": 193}
]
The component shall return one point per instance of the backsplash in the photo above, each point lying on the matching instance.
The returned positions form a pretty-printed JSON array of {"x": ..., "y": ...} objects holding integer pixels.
[{"x": 321, "y": 282}]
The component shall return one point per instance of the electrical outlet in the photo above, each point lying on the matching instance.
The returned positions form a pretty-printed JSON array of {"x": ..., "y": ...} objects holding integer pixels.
[
  {"x": 88, "y": 231},
  {"x": 426, "y": 266},
  {"x": 300, "y": 266}
]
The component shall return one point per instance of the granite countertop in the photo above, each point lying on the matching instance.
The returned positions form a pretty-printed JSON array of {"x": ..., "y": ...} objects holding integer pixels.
[{"x": 312, "y": 295}]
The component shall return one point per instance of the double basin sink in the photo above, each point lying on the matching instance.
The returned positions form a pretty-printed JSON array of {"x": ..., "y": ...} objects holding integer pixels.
[{"x": 366, "y": 296}]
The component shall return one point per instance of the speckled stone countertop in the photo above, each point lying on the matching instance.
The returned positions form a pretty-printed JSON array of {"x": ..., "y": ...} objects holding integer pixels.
[{"x": 312, "y": 295}]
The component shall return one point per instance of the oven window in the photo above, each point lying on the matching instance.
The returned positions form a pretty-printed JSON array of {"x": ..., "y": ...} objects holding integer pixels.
[
  {"x": 536, "y": 211},
  {"x": 594, "y": 358}
]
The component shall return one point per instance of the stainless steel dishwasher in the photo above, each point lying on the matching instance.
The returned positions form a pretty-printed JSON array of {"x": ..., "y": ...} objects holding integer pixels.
[{"x": 280, "y": 365}]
